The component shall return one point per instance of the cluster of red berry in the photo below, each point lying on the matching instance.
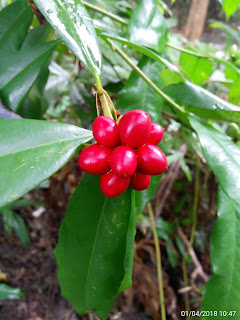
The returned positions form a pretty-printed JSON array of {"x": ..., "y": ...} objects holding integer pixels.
[{"x": 125, "y": 154}]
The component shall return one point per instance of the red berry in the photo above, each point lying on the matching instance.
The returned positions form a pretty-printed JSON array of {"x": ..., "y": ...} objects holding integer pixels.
[
  {"x": 156, "y": 134},
  {"x": 140, "y": 181},
  {"x": 112, "y": 185},
  {"x": 123, "y": 161},
  {"x": 105, "y": 132},
  {"x": 151, "y": 160},
  {"x": 134, "y": 128},
  {"x": 94, "y": 159}
]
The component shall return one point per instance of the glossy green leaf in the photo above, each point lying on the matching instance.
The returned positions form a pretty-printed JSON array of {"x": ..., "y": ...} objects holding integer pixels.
[
  {"x": 72, "y": 23},
  {"x": 95, "y": 249},
  {"x": 13, "y": 221},
  {"x": 35, "y": 105},
  {"x": 225, "y": 255},
  {"x": 31, "y": 151},
  {"x": 230, "y": 7},
  {"x": 15, "y": 19},
  {"x": 147, "y": 26},
  {"x": 137, "y": 94},
  {"x": 20, "y": 61},
  {"x": 202, "y": 102},
  {"x": 222, "y": 155},
  {"x": 7, "y": 292},
  {"x": 19, "y": 70},
  {"x": 198, "y": 69}
]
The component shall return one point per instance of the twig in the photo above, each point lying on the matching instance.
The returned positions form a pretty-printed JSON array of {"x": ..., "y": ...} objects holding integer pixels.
[
  {"x": 90, "y": 316},
  {"x": 195, "y": 201},
  {"x": 170, "y": 177},
  {"x": 159, "y": 265},
  {"x": 145, "y": 77},
  {"x": 192, "y": 254}
]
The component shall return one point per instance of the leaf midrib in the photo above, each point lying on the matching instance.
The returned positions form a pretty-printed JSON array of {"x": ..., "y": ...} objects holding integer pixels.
[
  {"x": 53, "y": 44},
  {"x": 13, "y": 23},
  {"x": 93, "y": 250},
  {"x": 47, "y": 144}
]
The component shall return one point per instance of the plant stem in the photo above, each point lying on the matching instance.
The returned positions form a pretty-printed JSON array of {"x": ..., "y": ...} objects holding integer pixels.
[
  {"x": 195, "y": 201},
  {"x": 145, "y": 77},
  {"x": 185, "y": 280},
  {"x": 193, "y": 53},
  {"x": 194, "y": 225},
  {"x": 106, "y": 13},
  {"x": 90, "y": 316},
  {"x": 104, "y": 103},
  {"x": 159, "y": 265}
]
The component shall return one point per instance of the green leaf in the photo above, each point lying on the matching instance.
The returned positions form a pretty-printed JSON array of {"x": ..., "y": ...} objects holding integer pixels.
[
  {"x": 19, "y": 63},
  {"x": 7, "y": 292},
  {"x": 198, "y": 69},
  {"x": 19, "y": 70},
  {"x": 234, "y": 93},
  {"x": 72, "y": 23},
  {"x": 202, "y": 102},
  {"x": 230, "y": 7},
  {"x": 147, "y": 26},
  {"x": 15, "y": 19},
  {"x": 35, "y": 105},
  {"x": 13, "y": 221},
  {"x": 31, "y": 151},
  {"x": 171, "y": 77},
  {"x": 137, "y": 94},
  {"x": 95, "y": 249},
  {"x": 225, "y": 255},
  {"x": 222, "y": 155}
]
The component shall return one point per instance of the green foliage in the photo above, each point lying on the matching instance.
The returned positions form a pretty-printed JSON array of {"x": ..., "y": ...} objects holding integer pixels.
[
  {"x": 225, "y": 244},
  {"x": 95, "y": 249},
  {"x": 7, "y": 292},
  {"x": 203, "y": 103},
  {"x": 147, "y": 26},
  {"x": 19, "y": 64},
  {"x": 198, "y": 69},
  {"x": 13, "y": 221},
  {"x": 73, "y": 24},
  {"x": 137, "y": 94},
  {"x": 41, "y": 149},
  {"x": 222, "y": 155},
  {"x": 230, "y": 6}
]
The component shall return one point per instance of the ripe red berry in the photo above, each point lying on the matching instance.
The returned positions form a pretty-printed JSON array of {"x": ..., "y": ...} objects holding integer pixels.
[
  {"x": 112, "y": 185},
  {"x": 123, "y": 161},
  {"x": 94, "y": 159},
  {"x": 105, "y": 132},
  {"x": 156, "y": 134},
  {"x": 151, "y": 160},
  {"x": 140, "y": 181},
  {"x": 134, "y": 128}
]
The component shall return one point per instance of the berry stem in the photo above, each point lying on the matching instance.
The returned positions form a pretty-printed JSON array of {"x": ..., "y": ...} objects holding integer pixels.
[
  {"x": 144, "y": 76},
  {"x": 104, "y": 102},
  {"x": 159, "y": 264}
]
